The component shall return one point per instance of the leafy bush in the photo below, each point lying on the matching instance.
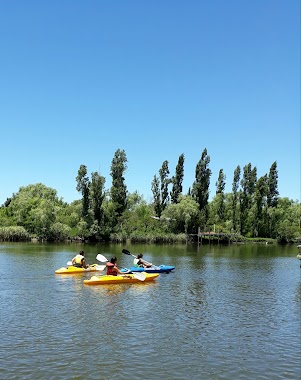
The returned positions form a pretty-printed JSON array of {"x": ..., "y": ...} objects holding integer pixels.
[{"x": 14, "y": 233}]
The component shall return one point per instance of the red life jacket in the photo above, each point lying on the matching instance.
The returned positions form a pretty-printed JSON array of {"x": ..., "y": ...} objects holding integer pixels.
[{"x": 110, "y": 269}]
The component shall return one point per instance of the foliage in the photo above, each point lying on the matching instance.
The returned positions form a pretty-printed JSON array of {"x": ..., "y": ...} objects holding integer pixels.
[
  {"x": 177, "y": 180},
  {"x": 160, "y": 189},
  {"x": 273, "y": 194},
  {"x": 34, "y": 208},
  {"x": 59, "y": 232},
  {"x": 97, "y": 197},
  {"x": 14, "y": 233},
  {"x": 220, "y": 195},
  {"x": 200, "y": 188},
  {"x": 182, "y": 217},
  {"x": 119, "y": 189},
  {"x": 83, "y": 186},
  {"x": 248, "y": 184},
  {"x": 156, "y": 195},
  {"x": 235, "y": 186},
  {"x": 252, "y": 210},
  {"x": 165, "y": 181}
]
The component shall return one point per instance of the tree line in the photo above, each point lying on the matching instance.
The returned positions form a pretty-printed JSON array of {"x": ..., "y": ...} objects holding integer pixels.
[{"x": 252, "y": 210}]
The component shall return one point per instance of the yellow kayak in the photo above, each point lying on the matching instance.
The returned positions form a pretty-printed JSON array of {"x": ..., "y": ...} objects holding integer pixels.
[
  {"x": 124, "y": 279},
  {"x": 73, "y": 270}
]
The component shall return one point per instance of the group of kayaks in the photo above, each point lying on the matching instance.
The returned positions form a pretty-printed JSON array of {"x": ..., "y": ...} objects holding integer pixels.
[{"x": 136, "y": 275}]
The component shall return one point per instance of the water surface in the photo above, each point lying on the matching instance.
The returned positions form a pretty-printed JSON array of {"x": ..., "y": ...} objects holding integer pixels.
[{"x": 226, "y": 312}]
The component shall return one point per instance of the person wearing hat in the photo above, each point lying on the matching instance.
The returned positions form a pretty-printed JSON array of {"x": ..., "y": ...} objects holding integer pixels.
[
  {"x": 79, "y": 260},
  {"x": 139, "y": 262}
]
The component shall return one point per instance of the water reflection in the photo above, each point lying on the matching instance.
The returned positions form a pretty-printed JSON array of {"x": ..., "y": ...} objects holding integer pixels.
[{"x": 225, "y": 313}]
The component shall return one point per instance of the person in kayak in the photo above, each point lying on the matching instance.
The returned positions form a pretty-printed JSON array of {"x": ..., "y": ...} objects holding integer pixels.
[
  {"x": 112, "y": 268},
  {"x": 79, "y": 260},
  {"x": 139, "y": 262}
]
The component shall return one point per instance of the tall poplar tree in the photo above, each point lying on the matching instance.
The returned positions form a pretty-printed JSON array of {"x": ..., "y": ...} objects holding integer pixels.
[
  {"x": 119, "y": 189},
  {"x": 221, "y": 182},
  {"x": 272, "y": 200},
  {"x": 220, "y": 193},
  {"x": 273, "y": 194},
  {"x": 165, "y": 181},
  {"x": 156, "y": 194},
  {"x": 97, "y": 196},
  {"x": 83, "y": 186},
  {"x": 177, "y": 180},
  {"x": 260, "y": 201},
  {"x": 160, "y": 189},
  {"x": 235, "y": 186},
  {"x": 200, "y": 188},
  {"x": 248, "y": 184}
]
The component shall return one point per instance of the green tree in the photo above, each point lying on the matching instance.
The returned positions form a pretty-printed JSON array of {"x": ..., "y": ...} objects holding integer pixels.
[
  {"x": 182, "y": 216},
  {"x": 273, "y": 194},
  {"x": 119, "y": 189},
  {"x": 200, "y": 188},
  {"x": 157, "y": 196},
  {"x": 285, "y": 220},
  {"x": 260, "y": 202},
  {"x": 6, "y": 219},
  {"x": 177, "y": 180},
  {"x": 160, "y": 189},
  {"x": 97, "y": 196},
  {"x": 58, "y": 232},
  {"x": 42, "y": 218},
  {"x": 70, "y": 215},
  {"x": 165, "y": 181},
  {"x": 35, "y": 207},
  {"x": 235, "y": 186},
  {"x": 248, "y": 184},
  {"x": 220, "y": 194},
  {"x": 136, "y": 220},
  {"x": 83, "y": 186}
]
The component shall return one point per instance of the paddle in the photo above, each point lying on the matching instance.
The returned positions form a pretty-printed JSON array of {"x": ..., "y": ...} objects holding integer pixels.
[
  {"x": 96, "y": 266},
  {"x": 139, "y": 276},
  {"x": 125, "y": 251}
]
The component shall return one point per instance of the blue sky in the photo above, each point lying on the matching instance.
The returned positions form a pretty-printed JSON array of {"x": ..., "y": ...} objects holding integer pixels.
[{"x": 81, "y": 79}]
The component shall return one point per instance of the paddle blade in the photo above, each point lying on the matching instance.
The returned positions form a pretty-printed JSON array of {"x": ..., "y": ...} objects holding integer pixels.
[
  {"x": 69, "y": 263},
  {"x": 101, "y": 258},
  {"x": 140, "y": 276},
  {"x": 100, "y": 267},
  {"x": 126, "y": 252}
]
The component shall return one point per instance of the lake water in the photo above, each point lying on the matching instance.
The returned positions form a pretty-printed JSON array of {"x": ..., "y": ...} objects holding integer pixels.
[{"x": 226, "y": 312}]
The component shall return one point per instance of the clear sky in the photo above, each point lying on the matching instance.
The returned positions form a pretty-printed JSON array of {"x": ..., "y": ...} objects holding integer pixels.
[{"x": 81, "y": 78}]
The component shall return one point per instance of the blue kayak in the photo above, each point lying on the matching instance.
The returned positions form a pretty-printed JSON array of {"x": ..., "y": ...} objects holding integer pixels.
[{"x": 153, "y": 269}]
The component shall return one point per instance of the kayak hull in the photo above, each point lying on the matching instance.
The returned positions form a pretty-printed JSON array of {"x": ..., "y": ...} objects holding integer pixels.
[
  {"x": 156, "y": 269},
  {"x": 74, "y": 270},
  {"x": 126, "y": 279}
]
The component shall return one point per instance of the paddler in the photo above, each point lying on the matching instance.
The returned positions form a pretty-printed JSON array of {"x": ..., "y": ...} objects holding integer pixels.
[
  {"x": 139, "y": 262},
  {"x": 79, "y": 260},
  {"x": 112, "y": 268}
]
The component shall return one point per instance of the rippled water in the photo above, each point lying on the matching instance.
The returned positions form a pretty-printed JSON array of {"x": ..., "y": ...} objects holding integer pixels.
[{"x": 225, "y": 313}]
